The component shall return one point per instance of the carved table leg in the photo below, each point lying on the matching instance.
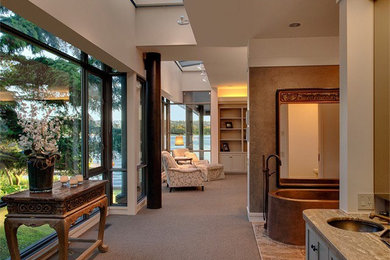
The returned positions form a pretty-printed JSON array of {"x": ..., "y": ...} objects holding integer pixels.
[
  {"x": 103, "y": 214},
  {"x": 62, "y": 228},
  {"x": 11, "y": 229}
]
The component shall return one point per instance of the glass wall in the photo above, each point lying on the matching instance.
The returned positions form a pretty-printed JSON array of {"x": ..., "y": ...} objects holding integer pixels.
[
  {"x": 192, "y": 122},
  {"x": 95, "y": 121},
  {"x": 33, "y": 82},
  {"x": 177, "y": 125},
  {"x": 61, "y": 84},
  {"x": 206, "y": 137},
  {"x": 119, "y": 141},
  {"x": 141, "y": 167},
  {"x": 165, "y": 124}
]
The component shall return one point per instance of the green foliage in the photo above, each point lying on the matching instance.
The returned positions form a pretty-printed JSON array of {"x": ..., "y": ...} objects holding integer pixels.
[
  {"x": 179, "y": 127},
  {"x": 12, "y": 44},
  {"x": 9, "y": 129}
]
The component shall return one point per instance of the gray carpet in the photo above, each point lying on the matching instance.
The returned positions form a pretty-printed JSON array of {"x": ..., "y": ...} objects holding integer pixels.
[{"x": 191, "y": 225}]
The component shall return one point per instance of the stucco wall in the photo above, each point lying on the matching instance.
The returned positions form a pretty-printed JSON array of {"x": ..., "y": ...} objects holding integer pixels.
[{"x": 263, "y": 83}]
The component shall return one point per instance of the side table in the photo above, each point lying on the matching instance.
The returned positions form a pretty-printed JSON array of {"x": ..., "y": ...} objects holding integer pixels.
[{"x": 59, "y": 208}]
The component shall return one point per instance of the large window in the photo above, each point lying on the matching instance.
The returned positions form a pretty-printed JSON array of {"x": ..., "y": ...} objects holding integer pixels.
[
  {"x": 165, "y": 124},
  {"x": 95, "y": 121},
  {"x": 119, "y": 140},
  {"x": 192, "y": 123},
  {"x": 177, "y": 126},
  {"x": 141, "y": 167},
  {"x": 39, "y": 71},
  {"x": 34, "y": 80}
]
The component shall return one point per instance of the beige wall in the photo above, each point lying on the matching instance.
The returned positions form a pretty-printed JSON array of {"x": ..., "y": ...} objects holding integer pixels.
[
  {"x": 171, "y": 81},
  {"x": 214, "y": 126},
  {"x": 192, "y": 81},
  {"x": 303, "y": 140},
  {"x": 263, "y": 83},
  {"x": 356, "y": 101},
  {"x": 293, "y": 51}
]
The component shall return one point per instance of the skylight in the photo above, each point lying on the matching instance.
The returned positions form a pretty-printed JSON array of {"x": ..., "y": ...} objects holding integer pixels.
[
  {"x": 144, "y": 3},
  {"x": 189, "y": 63}
]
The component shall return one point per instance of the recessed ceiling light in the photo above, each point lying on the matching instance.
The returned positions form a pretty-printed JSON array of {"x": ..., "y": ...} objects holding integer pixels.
[{"x": 294, "y": 25}]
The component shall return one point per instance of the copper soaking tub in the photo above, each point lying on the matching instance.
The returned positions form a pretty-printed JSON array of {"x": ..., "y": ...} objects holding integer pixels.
[{"x": 285, "y": 207}]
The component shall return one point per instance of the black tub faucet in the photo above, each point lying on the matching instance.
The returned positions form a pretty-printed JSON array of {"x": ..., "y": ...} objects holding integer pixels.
[
  {"x": 266, "y": 176},
  {"x": 278, "y": 161}
]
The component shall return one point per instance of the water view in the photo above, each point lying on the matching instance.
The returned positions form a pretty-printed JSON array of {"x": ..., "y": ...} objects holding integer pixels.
[{"x": 195, "y": 141}]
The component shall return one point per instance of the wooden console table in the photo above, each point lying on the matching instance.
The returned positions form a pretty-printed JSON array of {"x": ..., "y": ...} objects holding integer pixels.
[{"x": 59, "y": 208}]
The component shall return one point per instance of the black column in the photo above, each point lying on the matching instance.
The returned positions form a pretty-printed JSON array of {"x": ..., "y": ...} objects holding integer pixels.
[{"x": 153, "y": 129}]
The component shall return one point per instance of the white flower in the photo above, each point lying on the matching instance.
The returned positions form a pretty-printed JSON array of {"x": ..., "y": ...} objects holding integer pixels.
[{"x": 40, "y": 135}]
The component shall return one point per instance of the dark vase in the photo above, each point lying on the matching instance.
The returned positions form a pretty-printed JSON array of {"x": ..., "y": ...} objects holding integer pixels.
[{"x": 40, "y": 173}]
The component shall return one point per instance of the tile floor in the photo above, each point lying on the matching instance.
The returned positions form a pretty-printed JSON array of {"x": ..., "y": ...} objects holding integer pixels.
[{"x": 273, "y": 250}]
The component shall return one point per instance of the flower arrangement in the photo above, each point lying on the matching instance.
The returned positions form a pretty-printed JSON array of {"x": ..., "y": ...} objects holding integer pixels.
[{"x": 41, "y": 133}]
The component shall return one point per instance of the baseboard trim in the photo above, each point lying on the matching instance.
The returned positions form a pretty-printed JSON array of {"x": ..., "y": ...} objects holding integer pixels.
[
  {"x": 235, "y": 173},
  {"x": 254, "y": 216},
  {"x": 118, "y": 210}
]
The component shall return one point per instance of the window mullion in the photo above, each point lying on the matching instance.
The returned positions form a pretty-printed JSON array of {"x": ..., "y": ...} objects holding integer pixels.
[{"x": 85, "y": 119}]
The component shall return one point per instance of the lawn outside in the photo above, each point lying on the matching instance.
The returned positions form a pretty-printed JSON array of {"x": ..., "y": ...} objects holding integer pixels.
[{"x": 26, "y": 235}]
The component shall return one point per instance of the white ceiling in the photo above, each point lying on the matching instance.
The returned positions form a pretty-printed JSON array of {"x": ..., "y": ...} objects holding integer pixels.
[
  {"x": 223, "y": 28},
  {"x": 234, "y": 22},
  {"x": 224, "y": 65}
]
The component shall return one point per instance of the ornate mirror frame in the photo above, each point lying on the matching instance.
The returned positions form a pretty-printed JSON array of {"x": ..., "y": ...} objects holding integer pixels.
[{"x": 304, "y": 96}]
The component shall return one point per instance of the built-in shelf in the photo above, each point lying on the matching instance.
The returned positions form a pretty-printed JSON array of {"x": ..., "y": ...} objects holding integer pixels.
[{"x": 232, "y": 141}]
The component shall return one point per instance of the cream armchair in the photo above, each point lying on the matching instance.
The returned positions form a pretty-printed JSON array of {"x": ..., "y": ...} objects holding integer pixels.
[
  {"x": 210, "y": 171},
  {"x": 195, "y": 159},
  {"x": 181, "y": 175},
  {"x": 179, "y": 152}
]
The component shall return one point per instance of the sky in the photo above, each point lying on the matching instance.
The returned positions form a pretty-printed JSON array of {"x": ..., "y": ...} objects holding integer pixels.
[{"x": 178, "y": 113}]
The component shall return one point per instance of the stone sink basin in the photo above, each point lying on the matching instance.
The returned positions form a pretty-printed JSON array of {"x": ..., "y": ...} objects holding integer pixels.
[{"x": 356, "y": 225}]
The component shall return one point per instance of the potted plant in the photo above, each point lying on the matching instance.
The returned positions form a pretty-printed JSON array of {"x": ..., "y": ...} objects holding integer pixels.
[{"x": 41, "y": 132}]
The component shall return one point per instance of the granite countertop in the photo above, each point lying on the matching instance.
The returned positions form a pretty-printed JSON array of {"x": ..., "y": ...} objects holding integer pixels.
[{"x": 349, "y": 244}]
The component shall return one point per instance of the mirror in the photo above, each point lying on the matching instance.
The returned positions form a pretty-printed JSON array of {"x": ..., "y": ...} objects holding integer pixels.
[{"x": 308, "y": 137}]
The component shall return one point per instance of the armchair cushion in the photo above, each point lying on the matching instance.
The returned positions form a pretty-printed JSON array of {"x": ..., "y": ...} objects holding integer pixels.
[
  {"x": 212, "y": 172},
  {"x": 180, "y": 152},
  {"x": 195, "y": 159},
  {"x": 181, "y": 175}
]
